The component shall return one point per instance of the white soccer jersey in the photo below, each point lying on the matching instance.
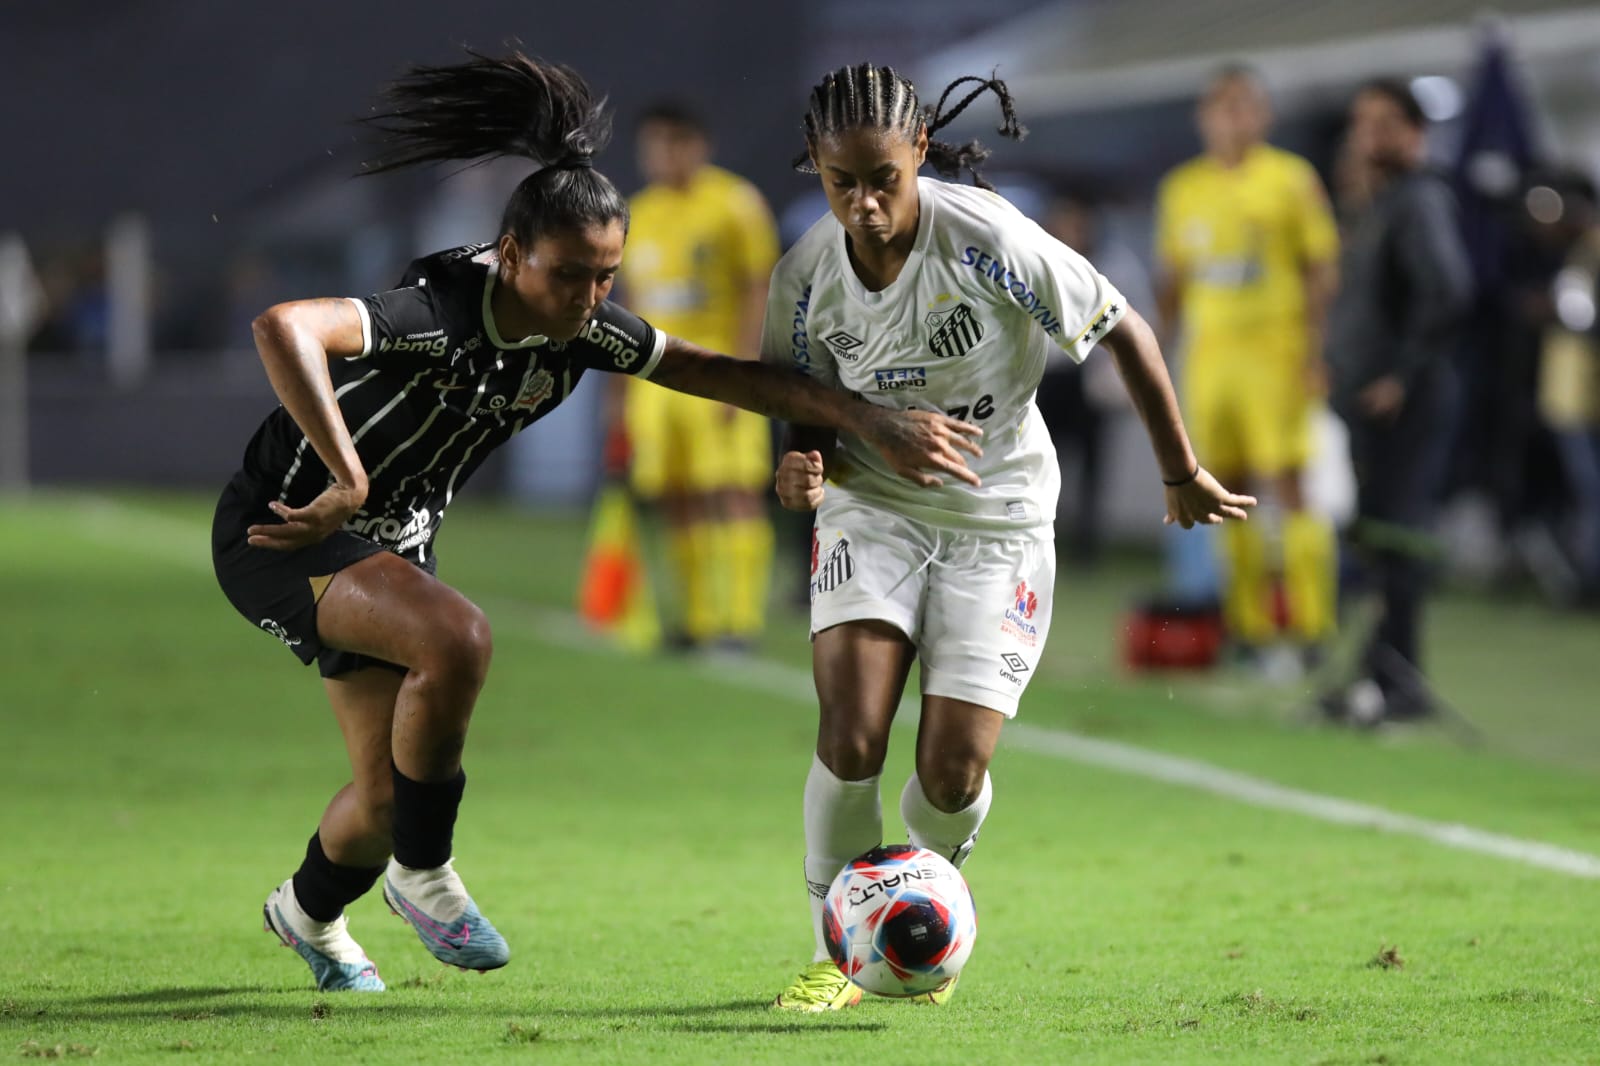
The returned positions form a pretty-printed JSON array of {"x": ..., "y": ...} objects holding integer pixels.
[{"x": 984, "y": 299}]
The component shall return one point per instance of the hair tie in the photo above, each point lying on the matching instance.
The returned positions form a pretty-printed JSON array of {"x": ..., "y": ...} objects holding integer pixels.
[{"x": 577, "y": 162}]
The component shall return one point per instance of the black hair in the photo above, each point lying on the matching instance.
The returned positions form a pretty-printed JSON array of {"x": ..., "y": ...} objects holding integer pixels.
[
  {"x": 674, "y": 113},
  {"x": 865, "y": 96},
  {"x": 510, "y": 105},
  {"x": 1236, "y": 70},
  {"x": 1399, "y": 94}
]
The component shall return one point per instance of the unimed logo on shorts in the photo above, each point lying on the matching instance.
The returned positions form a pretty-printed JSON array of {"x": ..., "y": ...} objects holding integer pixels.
[
  {"x": 1018, "y": 620},
  {"x": 830, "y": 570}
]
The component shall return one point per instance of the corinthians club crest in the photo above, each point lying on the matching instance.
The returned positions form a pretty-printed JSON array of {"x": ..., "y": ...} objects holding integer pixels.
[{"x": 952, "y": 333}]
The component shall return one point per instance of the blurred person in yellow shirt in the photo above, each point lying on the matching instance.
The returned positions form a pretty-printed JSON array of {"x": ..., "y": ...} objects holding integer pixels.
[
  {"x": 1246, "y": 251},
  {"x": 702, "y": 245},
  {"x": 1569, "y": 368}
]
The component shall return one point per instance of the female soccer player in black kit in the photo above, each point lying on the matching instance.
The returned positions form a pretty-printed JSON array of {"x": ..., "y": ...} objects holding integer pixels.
[{"x": 325, "y": 537}]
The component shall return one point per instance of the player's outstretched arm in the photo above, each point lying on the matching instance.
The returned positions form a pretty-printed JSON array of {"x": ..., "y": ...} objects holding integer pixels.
[
  {"x": 295, "y": 341},
  {"x": 1193, "y": 495},
  {"x": 919, "y": 445}
]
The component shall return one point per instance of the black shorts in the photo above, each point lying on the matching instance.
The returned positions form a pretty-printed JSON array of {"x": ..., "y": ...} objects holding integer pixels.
[{"x": 278, "y": 591}]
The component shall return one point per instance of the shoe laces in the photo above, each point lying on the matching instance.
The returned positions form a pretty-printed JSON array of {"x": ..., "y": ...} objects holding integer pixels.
[{"x": 821, "y": 980}]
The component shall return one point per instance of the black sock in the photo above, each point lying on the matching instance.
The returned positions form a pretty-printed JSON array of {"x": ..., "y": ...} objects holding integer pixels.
[
  {"x": 425, "y": 819},
  {"x": 323, "y": 887}
]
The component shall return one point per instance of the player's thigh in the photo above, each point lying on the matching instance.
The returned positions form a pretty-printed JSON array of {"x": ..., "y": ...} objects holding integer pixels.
[
  {"x": 363, "y": 705},
  {"x": 869, "y": 570},
  {"x": 277, "y": 591},
  {"x": 733, "y": 454},
  {"x": 386, "y": 608},
  {"x": 868, "y": 564},
  {"x": 1210, "y": 404},
  {"x": 860, "y": 671},
  {"x": 1275, "y": 421},
  {"x": 651, "y": 440},
  {"x": 987, "y": 618}
]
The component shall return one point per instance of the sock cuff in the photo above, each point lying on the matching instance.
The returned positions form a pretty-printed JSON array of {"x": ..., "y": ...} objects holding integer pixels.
[
  {"x": 914, "y": 803},
  {"x": 458, "y": 782},
  {"x": 825, "y": 776}
]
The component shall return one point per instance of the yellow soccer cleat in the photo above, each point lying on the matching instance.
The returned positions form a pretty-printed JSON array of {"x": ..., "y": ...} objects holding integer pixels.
[
  {"x": 939, "y": 996},
  {"x": 821, "y": 986}
]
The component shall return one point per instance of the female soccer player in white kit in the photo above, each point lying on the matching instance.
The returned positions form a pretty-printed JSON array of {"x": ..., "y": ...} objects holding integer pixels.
[{"x": 917, "y": 293}]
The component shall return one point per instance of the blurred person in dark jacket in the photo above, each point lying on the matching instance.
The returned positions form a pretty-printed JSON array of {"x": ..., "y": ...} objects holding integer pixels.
[
  {"x": 1392, "y": 333},
  {"x": 1569, "y": 365},
  {"x": 1080, "y": 401}
]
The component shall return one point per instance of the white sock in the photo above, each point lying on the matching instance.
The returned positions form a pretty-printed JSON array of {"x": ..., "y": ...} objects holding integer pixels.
[
  {"x": 331, "y": 938},
  {"x": 843, "y": 819},
  {"x": 437, "y": 892},
  {"x": 952, "y": 834}
]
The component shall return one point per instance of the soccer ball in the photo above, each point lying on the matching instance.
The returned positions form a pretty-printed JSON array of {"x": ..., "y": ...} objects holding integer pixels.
[{"x": 899, "y": 921}]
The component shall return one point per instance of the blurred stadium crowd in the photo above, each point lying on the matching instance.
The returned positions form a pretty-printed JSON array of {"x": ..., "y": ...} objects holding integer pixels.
[{"x": 1521, "y": 494}]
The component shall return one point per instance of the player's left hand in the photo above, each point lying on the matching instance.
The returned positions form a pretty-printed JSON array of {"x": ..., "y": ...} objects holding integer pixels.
[
  {"x": 921, "y": 445},
  {"x": 1383, "y": 397},
  {"x": 1203, "y": 501},
  {"x": 308, "y": 525},
  {"x": 1316, "y": 376}
]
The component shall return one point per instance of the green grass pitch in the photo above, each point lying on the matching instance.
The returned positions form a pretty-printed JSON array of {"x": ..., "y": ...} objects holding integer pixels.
[{"x": 632, "y": 826}]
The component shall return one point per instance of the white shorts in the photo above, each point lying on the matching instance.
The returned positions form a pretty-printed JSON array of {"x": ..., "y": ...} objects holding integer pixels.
[{"x": 976, "y": 605}]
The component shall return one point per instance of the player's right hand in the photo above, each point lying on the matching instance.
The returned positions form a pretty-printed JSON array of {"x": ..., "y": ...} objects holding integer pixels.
[
  {"x": 304, "y": 526},
  {"x": 921, "y": 445},
  {"x": 799, "y": 480}
]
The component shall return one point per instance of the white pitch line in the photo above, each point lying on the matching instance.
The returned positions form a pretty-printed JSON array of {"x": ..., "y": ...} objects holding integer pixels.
[
  {"x": 176, "y": 541},
  {"x": 794, "y": 683}
]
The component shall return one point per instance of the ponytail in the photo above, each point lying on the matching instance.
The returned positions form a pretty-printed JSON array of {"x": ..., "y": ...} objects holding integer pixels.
[{"x": 490, "y": 107}]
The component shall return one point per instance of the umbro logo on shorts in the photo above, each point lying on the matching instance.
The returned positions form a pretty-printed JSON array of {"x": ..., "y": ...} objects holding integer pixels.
[
  {"x": 1014, "y": 665},
  {"x": 844, "y": 345},
  {"x": 954, "y": 332}
]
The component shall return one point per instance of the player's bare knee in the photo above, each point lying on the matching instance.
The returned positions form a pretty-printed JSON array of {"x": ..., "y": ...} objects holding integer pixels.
[
  {"x": 457, "y": 654},
  {"x": 952, "y": 786},
  {"x": 852, "y": 756}
]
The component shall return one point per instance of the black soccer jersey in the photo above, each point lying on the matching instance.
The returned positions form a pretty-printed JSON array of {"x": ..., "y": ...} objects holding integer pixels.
[{"x": 434, "y": 390}]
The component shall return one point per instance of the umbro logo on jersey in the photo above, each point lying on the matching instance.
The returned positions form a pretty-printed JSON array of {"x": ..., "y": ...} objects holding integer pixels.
[
  {"x": 906, "y": 377},
  {"x": 844, "y": 345},
  {"x": 954, "y": 332}
]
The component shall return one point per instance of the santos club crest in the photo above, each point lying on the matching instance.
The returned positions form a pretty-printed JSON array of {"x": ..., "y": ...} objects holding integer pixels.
[{"x": 952, "y": 333}]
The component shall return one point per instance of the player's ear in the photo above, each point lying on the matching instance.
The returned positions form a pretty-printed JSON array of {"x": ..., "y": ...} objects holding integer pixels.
[
  {"x": 919, "y": 146},
  {"x": 510, "y": 255}
]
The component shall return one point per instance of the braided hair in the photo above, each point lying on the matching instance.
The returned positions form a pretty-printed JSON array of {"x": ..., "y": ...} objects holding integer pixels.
[
  {"x": 513, "y": 105},
  {"x": 869, "y": 97}
]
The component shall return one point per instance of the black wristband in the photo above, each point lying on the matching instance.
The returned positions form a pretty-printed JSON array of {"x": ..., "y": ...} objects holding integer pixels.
[{"x": 1183, "y": 481}]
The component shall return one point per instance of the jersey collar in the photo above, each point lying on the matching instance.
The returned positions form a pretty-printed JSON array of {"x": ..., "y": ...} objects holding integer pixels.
[
  {"x": 488, "y": 316},
  {"x": 907, "y": 276}
]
